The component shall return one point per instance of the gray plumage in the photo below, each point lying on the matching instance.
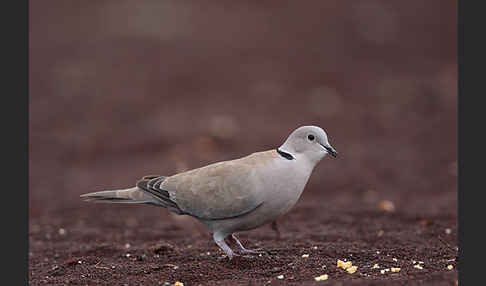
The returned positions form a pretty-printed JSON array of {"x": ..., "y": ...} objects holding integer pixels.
[{"x": 235, "y": 195}]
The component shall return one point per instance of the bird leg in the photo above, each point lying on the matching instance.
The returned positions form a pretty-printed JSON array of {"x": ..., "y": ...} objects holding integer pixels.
[
  {"x": 219, "y": 239},
  {"x": 241, "y": 249}
]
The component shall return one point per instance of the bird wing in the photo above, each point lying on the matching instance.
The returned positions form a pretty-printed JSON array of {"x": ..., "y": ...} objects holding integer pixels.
[{"x": 222, "y": 190}]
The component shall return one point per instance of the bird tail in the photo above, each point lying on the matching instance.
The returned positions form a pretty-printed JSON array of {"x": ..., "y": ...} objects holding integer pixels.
[{"x": 126, "y": 196}]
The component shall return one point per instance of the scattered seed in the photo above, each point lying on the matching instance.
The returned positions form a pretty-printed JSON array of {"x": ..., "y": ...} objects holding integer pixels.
[
  {"x": 178, "y": 283},
  {"x": 418, "y": 266},
  {"x": 450, "y": 267},
  {"x": 321, "y": 278},
  {"x": 280, "y": 277},
  {"x": 305, "y": 255},
  {"x": 62, "y": 231},
  {"x": 352, "y": 269},
  {"x": 344, "y": 265},
  {"x": 395, "y": 269},
  {"x": 394, "y": 259},
  {"x": 375, "y": 266}
]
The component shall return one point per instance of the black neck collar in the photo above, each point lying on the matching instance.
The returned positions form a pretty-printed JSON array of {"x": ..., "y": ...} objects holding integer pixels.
[{"x": 285, "y": 155}]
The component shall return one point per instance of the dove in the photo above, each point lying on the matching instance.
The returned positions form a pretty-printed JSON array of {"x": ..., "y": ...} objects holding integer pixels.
[{"x": 236, "y": 195}]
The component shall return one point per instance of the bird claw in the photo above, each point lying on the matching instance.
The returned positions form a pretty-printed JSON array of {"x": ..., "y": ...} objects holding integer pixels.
[{"x": 228, "y": 257}]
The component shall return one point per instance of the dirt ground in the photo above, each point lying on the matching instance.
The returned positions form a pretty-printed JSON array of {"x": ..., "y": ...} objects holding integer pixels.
[
  {"x": 121, "y": 90},
  {"x": 119, "y": 245}
]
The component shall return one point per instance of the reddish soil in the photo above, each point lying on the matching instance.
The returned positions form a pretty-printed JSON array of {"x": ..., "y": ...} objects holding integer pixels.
[
  {"x": 144, "y": 246},
  {"x": 121, "y": 90}
]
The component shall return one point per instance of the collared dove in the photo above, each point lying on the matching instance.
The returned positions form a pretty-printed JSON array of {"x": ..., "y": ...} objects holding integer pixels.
[{"x": 236, "y": 195}]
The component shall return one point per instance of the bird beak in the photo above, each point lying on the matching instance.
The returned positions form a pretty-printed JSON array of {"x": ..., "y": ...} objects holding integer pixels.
[{"x": 330, "y": 150}]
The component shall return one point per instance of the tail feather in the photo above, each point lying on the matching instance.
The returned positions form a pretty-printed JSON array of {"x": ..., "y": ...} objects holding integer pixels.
[{"x": 127, "y": 196}]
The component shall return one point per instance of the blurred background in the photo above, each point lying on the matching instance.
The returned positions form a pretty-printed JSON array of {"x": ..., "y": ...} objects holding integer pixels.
[{"x": 122, "y": 89}]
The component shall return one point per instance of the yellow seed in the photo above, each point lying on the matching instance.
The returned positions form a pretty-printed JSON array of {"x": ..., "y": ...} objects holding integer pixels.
[
  {"x": 305, "y": 255},
  {"x": 321, "y": 278},
  {"x": 450, "y": 267},
  {"x": 375, "y": 266},
  {"x": 395, "y": 269},
  {"x": 352, "y": 269},
  {"x": 418, "y": 266},
  {"x": 178, "y": 283},
  {"x": 344, "y": 265}
]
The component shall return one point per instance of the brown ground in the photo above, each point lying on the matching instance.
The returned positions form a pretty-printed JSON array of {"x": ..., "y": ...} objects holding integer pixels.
[
  {"x": 141, "y": 245},
  {"x": 119, "y": 91}
]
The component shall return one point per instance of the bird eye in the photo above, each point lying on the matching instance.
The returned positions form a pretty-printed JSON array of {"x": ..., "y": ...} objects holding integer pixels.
[{"x": 310, "y": 137}]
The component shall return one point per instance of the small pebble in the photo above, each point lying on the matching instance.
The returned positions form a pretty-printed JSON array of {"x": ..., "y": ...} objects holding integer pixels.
[
  {"x": 386, "y": 205},
  {"x": 62, "y": 231}
]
